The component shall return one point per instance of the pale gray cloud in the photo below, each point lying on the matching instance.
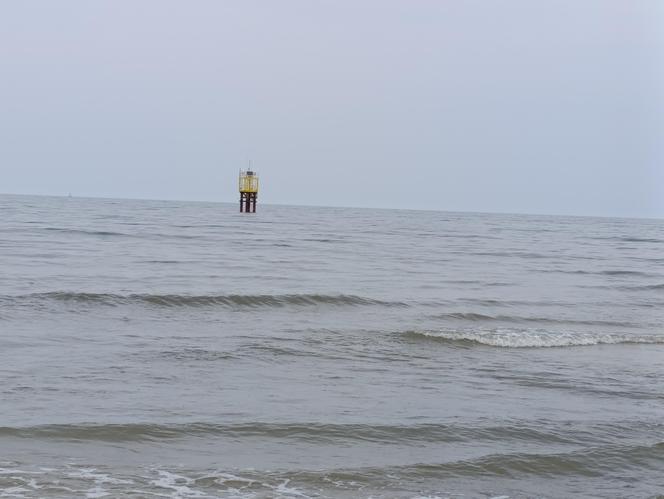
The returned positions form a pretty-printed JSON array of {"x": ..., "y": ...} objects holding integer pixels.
[{"x": 513, "y": 105}]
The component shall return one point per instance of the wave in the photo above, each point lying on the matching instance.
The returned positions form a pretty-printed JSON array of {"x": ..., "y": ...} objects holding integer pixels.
[
  {"x": 594, "y": 461},
  {"x": 611, "y": 273},
  {"x": 108, "y": 233},
  {"x": 641, "y": 240},
  {"x": 592, "y": 467},
  {"x": 624, "y": 273},
  {"x": 590, "y": 462},
  {"x": 177, "y": 300},
  {"x": 629, "y": 239},
  {"x": 533, "y": 338},
  {"x": 651, "y": 287},
  {"x": 642, "y": 287},
  {"x": 310, "y": 432},
  {"x": 86, "y": 232}
]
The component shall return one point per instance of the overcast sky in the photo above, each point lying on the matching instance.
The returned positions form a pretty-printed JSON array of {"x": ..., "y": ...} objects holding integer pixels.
[{"x": 508, "y": 106}]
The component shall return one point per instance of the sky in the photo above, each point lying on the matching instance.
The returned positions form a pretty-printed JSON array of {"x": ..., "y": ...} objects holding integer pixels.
[{"x": 521, "y": 106}]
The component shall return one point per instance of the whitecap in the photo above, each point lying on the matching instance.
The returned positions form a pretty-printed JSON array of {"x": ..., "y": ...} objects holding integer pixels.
[{"x": 537, "y": 338}]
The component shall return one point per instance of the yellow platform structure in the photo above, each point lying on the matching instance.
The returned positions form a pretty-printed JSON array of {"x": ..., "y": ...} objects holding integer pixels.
[
  {"x": 248, "y": 185},
  {"x": 248, "y": 181}
]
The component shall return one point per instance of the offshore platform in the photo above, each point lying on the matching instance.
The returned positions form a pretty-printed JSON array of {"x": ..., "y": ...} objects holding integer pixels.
[{"x": 248, "y": 191}]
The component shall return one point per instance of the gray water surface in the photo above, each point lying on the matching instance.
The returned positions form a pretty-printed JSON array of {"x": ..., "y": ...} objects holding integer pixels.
[{"x": 174, "y": 349}]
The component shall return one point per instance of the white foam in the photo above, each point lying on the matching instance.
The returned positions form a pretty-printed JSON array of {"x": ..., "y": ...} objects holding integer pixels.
[
  {"x": 9, "y": 471},
  {"x": 96, "y": 492},
  {"x": 532, "y": 338},
  {"x": 283, "y": 489},
  {"x": 177, "y": 483},
  {"x": 14, "y": 492},
  {"x": 222, "y": 478},
  {"x": 238, "y": 494},
  {"x": 32, "y": 483},
  {"x": 99, "y": 478}
]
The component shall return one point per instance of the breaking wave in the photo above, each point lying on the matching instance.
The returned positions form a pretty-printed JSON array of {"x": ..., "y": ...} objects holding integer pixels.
[
  {"x": 534, "y": 338},
  {"x": 368, "y": 481}
]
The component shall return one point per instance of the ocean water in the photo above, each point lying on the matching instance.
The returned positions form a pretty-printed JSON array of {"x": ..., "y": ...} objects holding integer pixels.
[{"x": 175, "y": 349}]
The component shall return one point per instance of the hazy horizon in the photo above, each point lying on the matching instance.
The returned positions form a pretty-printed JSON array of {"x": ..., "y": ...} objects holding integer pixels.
[
  {"x": 295, "y": 205},
  {"x": 505, "y": 107}
]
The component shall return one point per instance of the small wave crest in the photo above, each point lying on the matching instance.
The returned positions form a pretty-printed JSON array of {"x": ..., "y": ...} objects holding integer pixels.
[{"x": 510, "y": 338}]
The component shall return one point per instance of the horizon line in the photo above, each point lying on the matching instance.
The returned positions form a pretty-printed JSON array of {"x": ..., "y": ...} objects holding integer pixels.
[{"x": 624, "y": 217}]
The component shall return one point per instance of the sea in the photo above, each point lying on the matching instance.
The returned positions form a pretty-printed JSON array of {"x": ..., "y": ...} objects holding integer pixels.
[{"x": 185, "y": 350}]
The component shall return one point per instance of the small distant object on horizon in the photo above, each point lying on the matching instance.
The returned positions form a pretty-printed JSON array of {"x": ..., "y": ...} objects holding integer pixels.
[{"x": 248, "y": 190}]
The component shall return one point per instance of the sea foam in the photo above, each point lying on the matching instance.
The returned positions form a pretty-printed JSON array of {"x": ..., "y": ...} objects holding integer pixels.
[{"x": 535, "y": 338}]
